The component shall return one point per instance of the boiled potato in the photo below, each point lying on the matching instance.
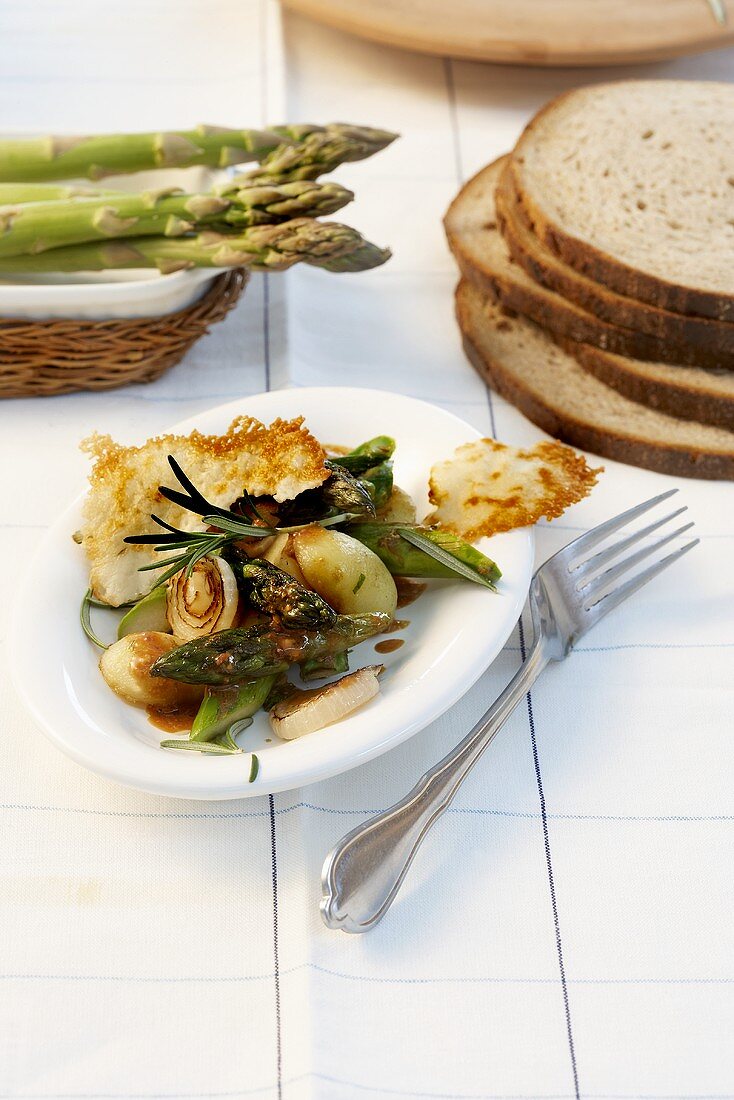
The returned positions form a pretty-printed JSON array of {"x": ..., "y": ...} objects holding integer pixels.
[
  {"x": 126, "y": 665},
  {"x": 348, "y": 575},
  {"x": 280, "y": 553},
  {"x": 399, "y": 508}
]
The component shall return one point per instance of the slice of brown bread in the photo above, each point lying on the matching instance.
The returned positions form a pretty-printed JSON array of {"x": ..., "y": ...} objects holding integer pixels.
[
  {"x": 676, "y": 329},
  {"x": 483, "y": 258},
  {"x": 632, "y": 183},
  {"x": 527, "y": 368},
  {"x": 686, "y": 392}
]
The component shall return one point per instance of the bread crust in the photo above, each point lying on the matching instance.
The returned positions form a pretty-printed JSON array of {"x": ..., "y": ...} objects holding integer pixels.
[
  {"x": 675, "y": 329},
  {"x": 675, "y": 399},
  {"x": 564, "y": 318},
  {"x": 598, "y": 265},
  {"x": 631, "y": 449}
]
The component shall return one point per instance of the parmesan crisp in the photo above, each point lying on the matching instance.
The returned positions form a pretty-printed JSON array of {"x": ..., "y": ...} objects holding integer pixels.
[
  {"x": 488, "y": 487},
  {"x": 280, "y": 461}
]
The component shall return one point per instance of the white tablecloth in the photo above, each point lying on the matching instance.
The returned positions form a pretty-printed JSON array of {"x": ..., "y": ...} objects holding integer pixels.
[{"x": 567, "y": 931}]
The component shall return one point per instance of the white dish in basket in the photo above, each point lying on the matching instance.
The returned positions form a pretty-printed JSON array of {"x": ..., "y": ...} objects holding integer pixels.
[{"x": 108, "y": 295}]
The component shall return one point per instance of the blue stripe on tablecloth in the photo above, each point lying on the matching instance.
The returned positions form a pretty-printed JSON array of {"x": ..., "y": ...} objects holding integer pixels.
[
  {"x": 370, "y": 979},
  {"x": 32, "y": 807},
  {"x": 361, "y": 1088},
  {"x": 549, "y": 867},
  {"x": 448, "y": 72}
]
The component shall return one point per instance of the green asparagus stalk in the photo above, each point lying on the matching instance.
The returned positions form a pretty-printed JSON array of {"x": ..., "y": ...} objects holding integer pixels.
[
  {"x": 403, "y": 559},
  {"x": 380, "y": 480},
  {"x": 38, "y": 226},
  {"x": 311, "y": 151},
  {"x": 221, "y": 708},
  {"x": 70, "y": 157},
  {"x": 48, "y": 192},
  {"x": 368, "y": 454},
  {"x": 329, "y": 245},
  {"x": 270, "y": 589},
  {"x": 239, "y": 655}
]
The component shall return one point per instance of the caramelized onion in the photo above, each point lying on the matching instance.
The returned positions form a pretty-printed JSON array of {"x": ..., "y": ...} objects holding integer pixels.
[
  {"x": 306, "y": 711},
  {"x": 204, "y": 602}
]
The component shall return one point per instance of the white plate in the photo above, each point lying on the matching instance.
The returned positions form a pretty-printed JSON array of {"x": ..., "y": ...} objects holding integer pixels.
[
  {"x": 105, "y": 295},
  {"x": 456, "y": 628}
]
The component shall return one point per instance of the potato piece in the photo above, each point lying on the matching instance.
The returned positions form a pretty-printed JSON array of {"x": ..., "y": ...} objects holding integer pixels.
[
  {"x": 126, "y": 665},
  {"x": 399, "y": 508},
  {"x": 280, "y": 553},
  {"x": 350, "y": 577}
]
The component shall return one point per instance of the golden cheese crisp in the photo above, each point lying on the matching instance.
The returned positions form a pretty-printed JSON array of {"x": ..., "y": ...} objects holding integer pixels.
[
  {"x": 281, "y": 461},
  {"x": 488, "y": 487}
]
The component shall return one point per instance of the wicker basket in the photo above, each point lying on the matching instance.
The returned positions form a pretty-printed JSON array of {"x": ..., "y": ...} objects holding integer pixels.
[{"x": 43, "y": 358}]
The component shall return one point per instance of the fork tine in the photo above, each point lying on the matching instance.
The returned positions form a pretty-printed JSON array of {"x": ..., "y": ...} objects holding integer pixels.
[
  {"x": 613, "y": 599},
  {"x": 609, "y": 576},
  {"x": 598, "y": 534},
  {"x": 592, "y": 565}
]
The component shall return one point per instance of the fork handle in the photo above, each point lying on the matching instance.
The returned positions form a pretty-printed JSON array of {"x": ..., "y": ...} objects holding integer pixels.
[{"x": 363, "y": 873}]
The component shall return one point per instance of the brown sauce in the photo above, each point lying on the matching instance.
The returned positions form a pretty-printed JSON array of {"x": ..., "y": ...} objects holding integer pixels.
[
  {"x": 408, "y": 590},
  {"x": 172, "y": 721},
  {"x": 395, "y": 625},
  {"x": 389, "y": 645}
]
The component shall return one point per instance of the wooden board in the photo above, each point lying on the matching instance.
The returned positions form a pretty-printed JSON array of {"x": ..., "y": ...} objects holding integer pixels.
[{"x": 536, "y": 32}]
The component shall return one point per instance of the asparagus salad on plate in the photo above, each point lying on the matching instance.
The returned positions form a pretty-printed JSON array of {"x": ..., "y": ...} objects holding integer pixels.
[{"x": 250, "y": 565}]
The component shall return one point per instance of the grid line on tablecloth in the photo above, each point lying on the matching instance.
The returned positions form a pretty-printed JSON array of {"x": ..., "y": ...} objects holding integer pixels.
[
  {"x": 448, "y": 71},
  {"x": 370, "y": 979},
  {"x": 31, "y": 807},
  {"x": 458, "y": 160},
  {"x": 549, "y": 867}
]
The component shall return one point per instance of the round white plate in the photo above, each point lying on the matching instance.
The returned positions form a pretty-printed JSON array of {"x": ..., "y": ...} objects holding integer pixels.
[{"x": 456, "y": 628}]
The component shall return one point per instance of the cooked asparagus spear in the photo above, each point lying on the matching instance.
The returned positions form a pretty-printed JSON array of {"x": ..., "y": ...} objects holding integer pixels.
[
  {"x": 403, "y": 559},
  {"x": 221, "y": 708},
  {"x": 275, "y": 592},
  {"x": 341, "y": 492},
  {"x": 239, "y": 655},
  {"x": 97, "y": 156},
  {"x": 37, "y": 226},
  {"x": 263, "y": 248},
  {"x": 380, "y": 480},
  {"x": 368, "y": 454},
  {"x": 311, "y": 151}
]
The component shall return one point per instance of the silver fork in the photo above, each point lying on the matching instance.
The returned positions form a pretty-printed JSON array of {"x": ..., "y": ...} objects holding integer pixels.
[{"x": 569, "y": 594}]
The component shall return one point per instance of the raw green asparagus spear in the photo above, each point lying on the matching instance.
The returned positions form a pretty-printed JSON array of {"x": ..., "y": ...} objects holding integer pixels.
[
  {"x": 368, "y": 454},
  {"x": 275, "y": 592},
  {"x": 262, "y": 248},
  {"x": 220, "y": 708},
  {"x": 48, "y": 192},
  {"x": 403, "y": 559},
  {"x": 312, "y": 151},
  {"x": 97, "y": 156},
  {"x": 38, "y": 226},
  {"x": 239, "y": 655}
]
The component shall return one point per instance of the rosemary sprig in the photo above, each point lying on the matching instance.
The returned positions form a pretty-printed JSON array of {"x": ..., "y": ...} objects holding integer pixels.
[
  {"x": 228, "y": 526},
  {"x": 88, "y": 601}
]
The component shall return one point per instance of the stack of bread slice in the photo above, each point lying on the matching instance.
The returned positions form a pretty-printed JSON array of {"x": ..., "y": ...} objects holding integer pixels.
[{"x": 597, "y": 264}]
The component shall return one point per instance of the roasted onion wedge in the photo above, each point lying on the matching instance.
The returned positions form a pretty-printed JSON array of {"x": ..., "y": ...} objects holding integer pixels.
[
  {"x": 203, "y": 602},
  {"x": 306, "y": 711}
]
